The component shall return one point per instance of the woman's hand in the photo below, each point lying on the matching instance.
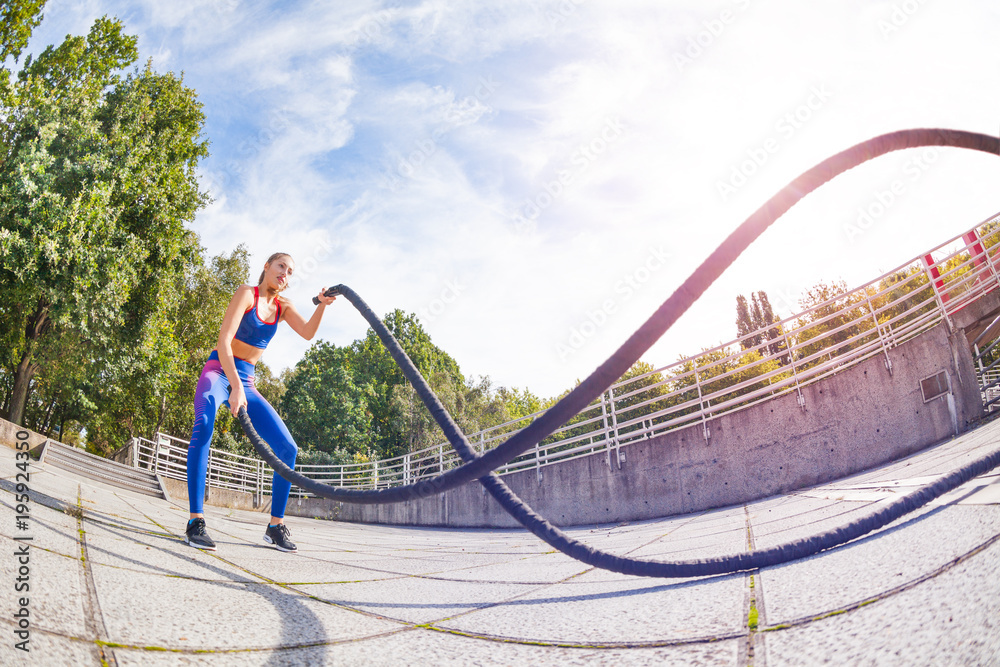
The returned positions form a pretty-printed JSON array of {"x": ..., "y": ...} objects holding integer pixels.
[
  {"x": 325, "y": 300},
  {"x": 237, "y": 399}
]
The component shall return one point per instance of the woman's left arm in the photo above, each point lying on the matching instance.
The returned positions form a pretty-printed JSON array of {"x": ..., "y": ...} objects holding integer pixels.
[{"x": 299, "y": 324}]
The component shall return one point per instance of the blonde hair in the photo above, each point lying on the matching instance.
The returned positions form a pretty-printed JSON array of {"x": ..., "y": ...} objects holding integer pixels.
[{"x": 269, "y": 260}]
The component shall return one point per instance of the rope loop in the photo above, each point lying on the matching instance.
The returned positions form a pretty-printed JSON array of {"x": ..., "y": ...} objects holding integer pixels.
[{"x": 482, "y": 467}]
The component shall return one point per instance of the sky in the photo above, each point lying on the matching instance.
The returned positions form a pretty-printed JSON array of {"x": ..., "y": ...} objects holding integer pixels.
[{"x": 532, "y": 179}]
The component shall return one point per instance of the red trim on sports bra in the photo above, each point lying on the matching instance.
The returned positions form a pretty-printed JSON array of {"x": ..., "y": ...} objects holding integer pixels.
[
  {"x": 277, "y": 312},
  {"x": 253, "y": 306}
]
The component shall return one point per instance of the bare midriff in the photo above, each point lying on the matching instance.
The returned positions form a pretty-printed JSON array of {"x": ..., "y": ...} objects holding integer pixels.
[{"x": 247, "y": 353}]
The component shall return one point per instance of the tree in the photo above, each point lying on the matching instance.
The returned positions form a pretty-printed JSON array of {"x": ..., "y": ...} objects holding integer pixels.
[
  {"x": 645, "y": 394},
  {"x": 757, "y": 319},
  {"x": 745, "y": 324},
  {"x": 830, "y": 321},
  {"x": 325, "y": 407},
  {"x": 474, "y": 405},
  {"x": 17, "y": 20},
  {"x": 354, "y": 401},
  {"x": 373, "y": 365},
  {"x": 414, "y": 422},
  {"x": 97, "y": 179}
]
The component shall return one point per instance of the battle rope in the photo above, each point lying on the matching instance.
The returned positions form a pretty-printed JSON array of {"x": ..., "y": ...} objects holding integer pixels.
[{"x": 481, "y": 467}]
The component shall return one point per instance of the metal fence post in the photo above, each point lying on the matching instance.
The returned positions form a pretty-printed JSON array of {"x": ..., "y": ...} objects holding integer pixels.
[
  {"x": 795, "y": 373},
  {"x": 881, "y": 338},
  {"x": 607, "y": 429},
  {"x": 705, "y": 431},
  {"x": 614, "y": 426},
  {"x": 259, "y": 484},
  {"x": 538, "y": 465},
  {"x": 979, "y": 255},
  {"x": 930, "y": 267},
  {"x": 156, "y": 457}
]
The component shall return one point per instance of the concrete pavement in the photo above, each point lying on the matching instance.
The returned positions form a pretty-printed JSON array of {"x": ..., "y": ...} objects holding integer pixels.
[{"x": 110, "y": 579}]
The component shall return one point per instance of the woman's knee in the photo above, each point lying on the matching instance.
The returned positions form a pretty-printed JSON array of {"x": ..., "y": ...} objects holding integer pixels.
[
  {"x": 291, "y": 451},
  {"x": 203, "y": 427}
]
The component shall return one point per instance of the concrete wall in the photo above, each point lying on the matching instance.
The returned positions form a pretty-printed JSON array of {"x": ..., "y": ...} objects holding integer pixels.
[
  {"x": 857, "y": 419},
  {"x": 178, "y": 491},
  {"x": 976, "y": 316},
  {"x": 8, "y": 437}
]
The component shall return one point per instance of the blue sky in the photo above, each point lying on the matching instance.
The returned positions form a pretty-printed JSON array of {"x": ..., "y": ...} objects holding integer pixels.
[{"x": 533, "y": 178}]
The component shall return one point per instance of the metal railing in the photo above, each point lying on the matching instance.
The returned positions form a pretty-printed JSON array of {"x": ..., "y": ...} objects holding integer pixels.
[
  {"x": 775, "y": 360},
  {"x": 167, "y": 456},
  {"x": 989, "y": 386}
]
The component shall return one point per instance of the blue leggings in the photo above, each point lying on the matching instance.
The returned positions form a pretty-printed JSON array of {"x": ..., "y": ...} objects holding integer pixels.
[{"x": 212, "y": 392}]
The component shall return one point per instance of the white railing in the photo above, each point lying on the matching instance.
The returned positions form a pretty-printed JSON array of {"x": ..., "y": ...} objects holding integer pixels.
[
  {"x": 775, "y": 360},
  {"x": 990, "y": 386}
]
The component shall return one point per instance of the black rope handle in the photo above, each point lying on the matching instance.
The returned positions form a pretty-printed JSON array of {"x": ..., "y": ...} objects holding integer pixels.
[
  {"x": 333, "y": 291},
  {"x": 481, "y": 467}
]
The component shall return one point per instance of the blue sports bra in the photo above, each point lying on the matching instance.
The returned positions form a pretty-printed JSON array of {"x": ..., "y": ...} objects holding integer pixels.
[{"x": 255, "y": 331}]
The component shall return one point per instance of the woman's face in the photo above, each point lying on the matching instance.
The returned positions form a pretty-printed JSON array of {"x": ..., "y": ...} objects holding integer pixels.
[{"x": 278, "y": 272}]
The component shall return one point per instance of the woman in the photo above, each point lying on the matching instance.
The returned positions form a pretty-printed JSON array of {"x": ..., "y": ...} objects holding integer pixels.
[{"x": 228, "y": 379}]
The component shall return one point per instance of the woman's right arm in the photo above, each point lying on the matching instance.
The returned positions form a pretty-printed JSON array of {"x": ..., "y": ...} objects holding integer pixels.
[{"x": 239, "y": 304}]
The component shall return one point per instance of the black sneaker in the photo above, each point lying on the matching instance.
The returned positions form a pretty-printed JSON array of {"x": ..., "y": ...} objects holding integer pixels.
[
  {"x": 278, "y": 536},
  {"x": 197, "y": 536}
]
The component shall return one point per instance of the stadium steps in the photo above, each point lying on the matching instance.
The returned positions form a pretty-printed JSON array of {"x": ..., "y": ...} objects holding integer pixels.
[{"x": 100, "y": 469}]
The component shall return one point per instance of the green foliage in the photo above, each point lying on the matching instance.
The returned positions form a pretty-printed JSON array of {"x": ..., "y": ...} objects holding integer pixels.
[
  {"x": 638, "y": 394},
  {"x": 372, "y": 362},
  {"x": 316, "y": 457},
  {"x": 17, "y": 20},
  {"x": 475, "y": 405},
  {"x": 830, "y": 325},
  {"x": 717, "y": 370},
  {"x": 354, "y": 400},
  {"x": 97, "y": 182},
  {"x": 324, "y": 407},
  {"x": 755, "y": 318}
]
